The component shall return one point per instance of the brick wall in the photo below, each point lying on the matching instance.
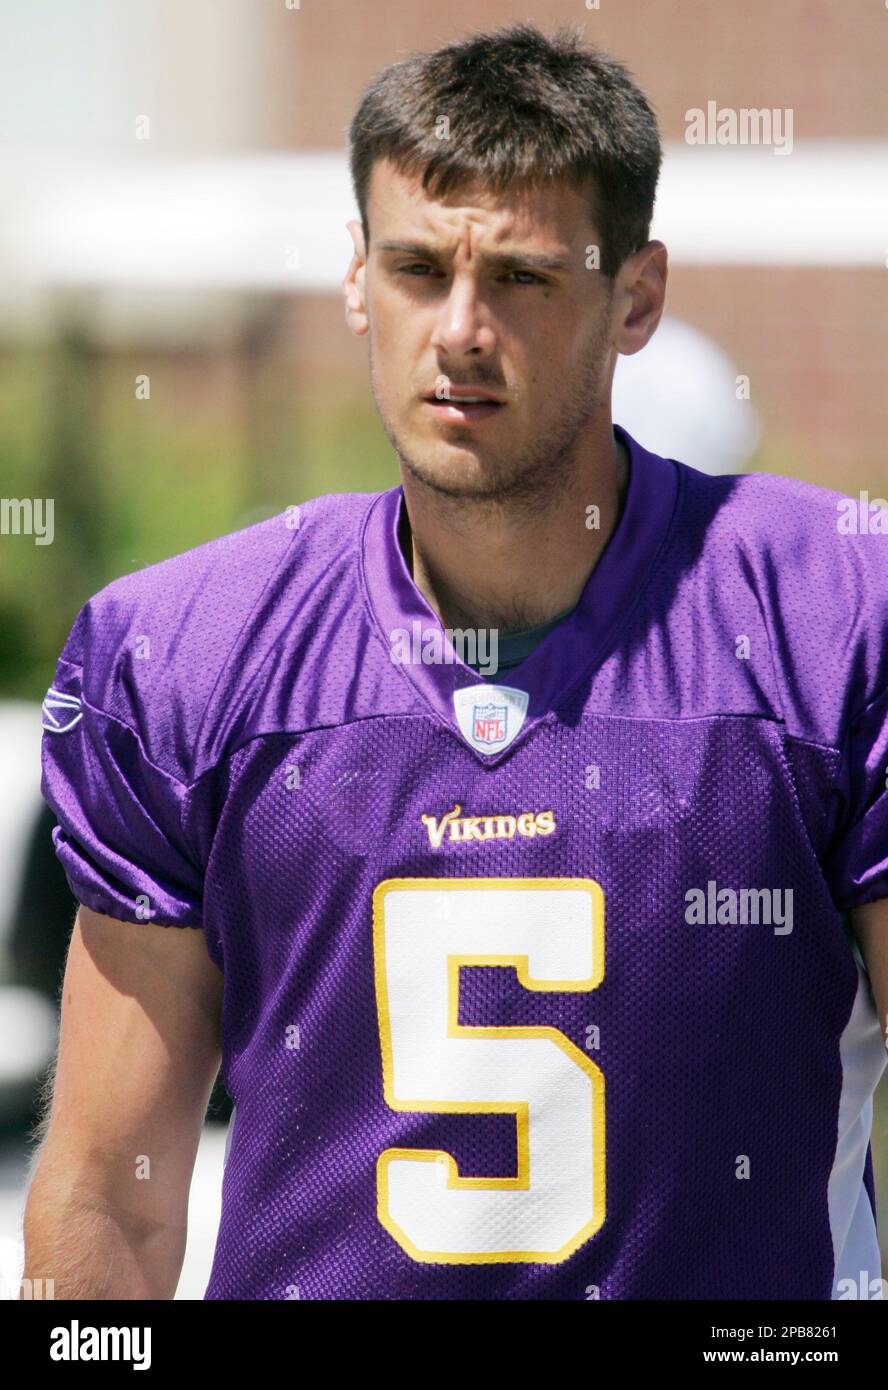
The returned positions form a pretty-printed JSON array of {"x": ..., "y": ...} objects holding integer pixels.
[{"x": 813, "y": 340}]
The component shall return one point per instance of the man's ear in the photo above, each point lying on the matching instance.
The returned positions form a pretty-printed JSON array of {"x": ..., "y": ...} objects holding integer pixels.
[
  {"x": 640, "y": 296},
  {"x": 353, "y": 283}
]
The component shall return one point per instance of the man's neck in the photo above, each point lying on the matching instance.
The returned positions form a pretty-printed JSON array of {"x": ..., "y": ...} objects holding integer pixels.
[{"x": 484, "y": 565}]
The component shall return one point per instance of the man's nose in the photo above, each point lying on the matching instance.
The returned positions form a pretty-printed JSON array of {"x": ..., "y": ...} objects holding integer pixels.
[{"x": 464, "y": 322}]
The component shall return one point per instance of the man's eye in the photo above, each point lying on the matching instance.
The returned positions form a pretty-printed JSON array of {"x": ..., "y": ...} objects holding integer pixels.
[{"x": 417, "y": 268}]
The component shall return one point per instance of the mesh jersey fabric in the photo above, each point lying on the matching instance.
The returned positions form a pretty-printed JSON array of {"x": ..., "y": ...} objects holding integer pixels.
[{"x": 247, "y": 759}]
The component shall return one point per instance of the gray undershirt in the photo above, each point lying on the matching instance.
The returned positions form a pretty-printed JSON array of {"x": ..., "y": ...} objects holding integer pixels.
[{"x": 517, "y": 646}]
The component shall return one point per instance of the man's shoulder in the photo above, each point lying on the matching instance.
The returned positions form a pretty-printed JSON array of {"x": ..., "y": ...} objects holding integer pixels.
[
  {"x": 814, "y": 534},
  {"x": 202, "y": 593},
  {"x": 230, "y": 569},
  {"x": 150, "y": 647},
  {"x": 815, "y": 562}
]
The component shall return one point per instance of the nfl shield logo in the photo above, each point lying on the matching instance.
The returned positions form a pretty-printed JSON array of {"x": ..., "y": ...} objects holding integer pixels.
[
  {"x": 489, "y": 723},
  {"x": 489, "y": 717}
]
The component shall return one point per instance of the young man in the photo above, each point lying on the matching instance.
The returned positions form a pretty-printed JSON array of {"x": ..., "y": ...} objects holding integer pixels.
[{"x": 529, "y": 950}]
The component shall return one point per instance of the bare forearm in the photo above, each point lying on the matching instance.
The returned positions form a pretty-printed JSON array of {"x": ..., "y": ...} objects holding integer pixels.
[
  {"x": 91, "y": 1247},
  {"x": 870, "y": 924}
]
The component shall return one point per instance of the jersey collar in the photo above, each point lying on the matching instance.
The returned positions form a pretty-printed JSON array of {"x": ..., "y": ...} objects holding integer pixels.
[{"x": 571, "y": 649}]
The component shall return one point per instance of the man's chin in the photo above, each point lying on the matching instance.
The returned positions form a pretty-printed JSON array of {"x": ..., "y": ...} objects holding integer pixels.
[
  {"x": 462, "y": 476},
  {"x": 469, "y": 468}
]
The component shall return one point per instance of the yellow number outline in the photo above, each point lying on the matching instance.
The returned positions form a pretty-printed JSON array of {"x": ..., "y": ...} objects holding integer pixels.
[{"x": 519, "y": 1109}]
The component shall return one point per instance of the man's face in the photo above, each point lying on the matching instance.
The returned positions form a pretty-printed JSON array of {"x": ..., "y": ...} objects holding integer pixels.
[{"x": 444, "y": 315}]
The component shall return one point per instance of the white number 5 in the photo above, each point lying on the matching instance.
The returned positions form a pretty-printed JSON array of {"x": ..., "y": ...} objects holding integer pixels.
[{"x": 552, "y": 931}]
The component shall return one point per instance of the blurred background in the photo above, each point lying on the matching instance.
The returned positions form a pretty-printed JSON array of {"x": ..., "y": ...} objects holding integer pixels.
[{"x": 174, "y": 363}]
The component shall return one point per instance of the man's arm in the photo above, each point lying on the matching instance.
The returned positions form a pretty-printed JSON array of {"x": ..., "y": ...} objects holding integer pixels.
[
  {"x": 870, "y": 926},
  {"x": 139, "y": 1051}
]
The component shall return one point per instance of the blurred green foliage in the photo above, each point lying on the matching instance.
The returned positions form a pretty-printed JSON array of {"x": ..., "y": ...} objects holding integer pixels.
[{"x": 135, "y": 481}]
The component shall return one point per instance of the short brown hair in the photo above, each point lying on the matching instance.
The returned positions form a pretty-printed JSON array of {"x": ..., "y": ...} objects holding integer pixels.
[{"x": 524, "y": 110}]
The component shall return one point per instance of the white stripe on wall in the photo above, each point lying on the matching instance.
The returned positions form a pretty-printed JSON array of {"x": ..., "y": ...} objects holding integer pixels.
[{"x": 277, "y": 222}]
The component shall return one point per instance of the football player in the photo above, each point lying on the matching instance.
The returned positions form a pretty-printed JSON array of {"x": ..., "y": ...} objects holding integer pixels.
[{"x": 516, "y": 838}]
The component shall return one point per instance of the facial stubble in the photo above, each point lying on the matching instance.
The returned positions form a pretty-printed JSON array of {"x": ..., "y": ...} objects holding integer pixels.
[{"x": 549, "y": 463}]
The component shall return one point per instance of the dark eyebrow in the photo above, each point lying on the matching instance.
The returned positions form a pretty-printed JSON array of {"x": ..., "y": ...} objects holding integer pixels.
[{"x": 505, "y": 260}]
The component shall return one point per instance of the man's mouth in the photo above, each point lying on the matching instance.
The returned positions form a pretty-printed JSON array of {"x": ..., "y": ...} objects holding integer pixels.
[{"x": 463, "y": 408}]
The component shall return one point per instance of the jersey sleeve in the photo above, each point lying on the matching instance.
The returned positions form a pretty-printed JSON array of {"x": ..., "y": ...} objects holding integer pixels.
[
  {"x": 857, "y": 868},
  {"x": 120, "y": 836}
]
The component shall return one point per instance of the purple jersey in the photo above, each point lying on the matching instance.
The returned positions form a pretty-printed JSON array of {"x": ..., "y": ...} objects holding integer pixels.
[{"x": 539, "y": 988}]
